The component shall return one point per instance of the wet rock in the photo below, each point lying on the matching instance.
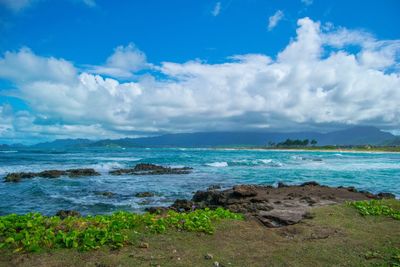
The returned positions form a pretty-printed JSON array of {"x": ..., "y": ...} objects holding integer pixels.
[
  {"x": 150, "y": 169},
  {"x": 50, "y": 174},
  {"x": 18, "y": 176},
  {"x": 214, "y": 187},
  {"x": 311, "y": 183},
  {"x": 82, "y": 172},
  {"x": 281, "y": 184},
  {"x": 67, "y": 213},
  {"x": 386, "y": 195},
  {"x": 145, "y": 194}
]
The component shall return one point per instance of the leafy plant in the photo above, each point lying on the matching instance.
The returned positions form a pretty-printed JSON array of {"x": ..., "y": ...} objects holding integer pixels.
[
  {"x": 375, "y": 208},
  {"x": 33, "y": 231}
]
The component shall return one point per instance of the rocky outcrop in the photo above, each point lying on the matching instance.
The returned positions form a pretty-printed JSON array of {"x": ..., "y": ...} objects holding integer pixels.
[
  {"x": 273, "y": 206},
  {"x": 18, "y": 176},
  {"x": 150, "y": 169}
]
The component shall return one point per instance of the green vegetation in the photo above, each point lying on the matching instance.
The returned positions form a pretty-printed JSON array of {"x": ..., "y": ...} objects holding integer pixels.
[
  {"x": 375, "y": 208},
  {"x": 337, "y": 236},
  {"x": 294, "y": 143},
  {"x": 33, "y": 232}
]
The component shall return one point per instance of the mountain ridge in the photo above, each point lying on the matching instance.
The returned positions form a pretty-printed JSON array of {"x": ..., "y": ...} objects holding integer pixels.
[{"x": 360, "y": 135}]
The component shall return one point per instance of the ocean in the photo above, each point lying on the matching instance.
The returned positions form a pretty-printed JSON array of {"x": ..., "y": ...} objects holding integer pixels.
[{"x": 374, "y": 172}]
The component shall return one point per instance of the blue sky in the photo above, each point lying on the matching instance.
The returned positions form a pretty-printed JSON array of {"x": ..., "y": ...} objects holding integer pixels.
[{"x": 92, "y": 68}]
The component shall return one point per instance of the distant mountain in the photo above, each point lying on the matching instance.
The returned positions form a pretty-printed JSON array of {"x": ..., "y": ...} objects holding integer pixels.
[
  {"x": 362, "y": 135},
  {"x": 64, "y": 143},
  {"x": 393, "y": 142}
]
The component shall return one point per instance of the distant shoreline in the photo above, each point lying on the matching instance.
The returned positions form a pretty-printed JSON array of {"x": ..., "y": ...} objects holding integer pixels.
[{"x": 394, "y": 150}]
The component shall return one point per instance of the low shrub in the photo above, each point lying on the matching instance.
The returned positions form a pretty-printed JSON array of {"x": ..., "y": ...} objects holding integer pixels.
[
  {"x": 375, "y": 208},
  {"x": 34, "y": 232}
]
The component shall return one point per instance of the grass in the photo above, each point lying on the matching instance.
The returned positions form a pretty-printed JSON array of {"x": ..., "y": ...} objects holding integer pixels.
[{"x": 337, "y": 236}]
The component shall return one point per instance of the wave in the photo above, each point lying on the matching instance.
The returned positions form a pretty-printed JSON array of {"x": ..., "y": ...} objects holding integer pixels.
[
  {"x": 118, "y": 158},
  {"x": 8, "y": 151},
  {"x": 218, "y": 164},
  {"x": 107, "y": 166},
  {"x": 246, "y": 162}
]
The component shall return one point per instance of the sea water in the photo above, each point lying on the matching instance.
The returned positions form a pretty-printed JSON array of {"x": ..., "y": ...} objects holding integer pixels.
[{"x": 374, "y": 172}]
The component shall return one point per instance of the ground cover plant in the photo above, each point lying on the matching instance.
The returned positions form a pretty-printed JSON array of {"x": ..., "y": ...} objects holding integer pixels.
[
  {"x": 376, "y": 208},
  {"x": 33, "y": 231}
]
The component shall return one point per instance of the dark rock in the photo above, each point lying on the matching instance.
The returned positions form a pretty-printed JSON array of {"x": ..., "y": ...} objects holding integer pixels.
[
  {"x": 67, "y": 213},
  {"x": 244, "y": 191},
  {"x": 385, "y": 195},
  {"x": 156, "y": 210},
  {"x": 51, "y": 174},
  {"x": 281, "y": 184},
  {"x": 82, "y": 172},
  {"x": 312, "y": 183},
  {"x": 214, "y": 187},
  {"x": 145, "y": 194},
  {"x": 150, "y": 169},
  {"x": 273, "y": 207},
  {"x": 18, "y": 176},
  {"x": 352, "y": 189},
  {"x": 183, "y": 205}
]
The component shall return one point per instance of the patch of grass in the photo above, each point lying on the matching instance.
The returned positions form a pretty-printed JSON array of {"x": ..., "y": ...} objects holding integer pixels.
[
  {"x": 33, "y": 231},
  {"x": 376, "y": 208}
]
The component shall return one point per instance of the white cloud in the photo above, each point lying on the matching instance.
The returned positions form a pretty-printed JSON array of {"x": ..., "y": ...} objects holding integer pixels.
[
  {"x": 307, "y": 2},
  {"x": 274, "y": 19},
  {"x": 123, "y": 62},
  {"x": 313, "y": 81},
  {"x": 15, "y": 5},
  {"x": 216, "y": 10},
  {"x": 90, "y": 3}
]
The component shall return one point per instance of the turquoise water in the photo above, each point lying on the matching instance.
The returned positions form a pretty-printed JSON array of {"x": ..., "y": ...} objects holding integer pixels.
[{"x": 375, "y": 172}]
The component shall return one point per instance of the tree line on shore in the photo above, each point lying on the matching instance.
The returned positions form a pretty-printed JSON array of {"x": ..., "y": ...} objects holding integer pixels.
[{"x": 294, "y": 143}]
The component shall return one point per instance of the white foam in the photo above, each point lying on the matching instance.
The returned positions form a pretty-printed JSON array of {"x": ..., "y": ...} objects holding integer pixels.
[
  {"x": 107, "y": 166},
  {"x": 218, "y": 164},
  {"x": 266, "y": 161}
]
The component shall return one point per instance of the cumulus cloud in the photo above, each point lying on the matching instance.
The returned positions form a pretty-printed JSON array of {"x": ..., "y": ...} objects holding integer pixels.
[
  {"x": 274, "y": 20},
  {"x": 216, "y": 10},
  {"x": 314, "y": 81},
  {"x": 123, "y": 63}
]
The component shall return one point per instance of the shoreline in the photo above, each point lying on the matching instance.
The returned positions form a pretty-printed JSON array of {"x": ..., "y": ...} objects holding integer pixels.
[{"x": 372, "y": 151}]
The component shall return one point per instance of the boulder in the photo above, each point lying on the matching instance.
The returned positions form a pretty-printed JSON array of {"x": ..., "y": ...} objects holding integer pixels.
[
  {"x": 244, "y": 191},
  {"x": 383, "y": 195}
]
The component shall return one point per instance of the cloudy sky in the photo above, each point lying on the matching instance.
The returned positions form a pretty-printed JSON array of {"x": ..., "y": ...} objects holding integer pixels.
[{"x": 105, "y": 69}]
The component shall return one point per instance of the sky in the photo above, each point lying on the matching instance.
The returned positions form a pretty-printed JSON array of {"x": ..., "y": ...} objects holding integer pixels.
[{"x": 111, "y": 69}]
